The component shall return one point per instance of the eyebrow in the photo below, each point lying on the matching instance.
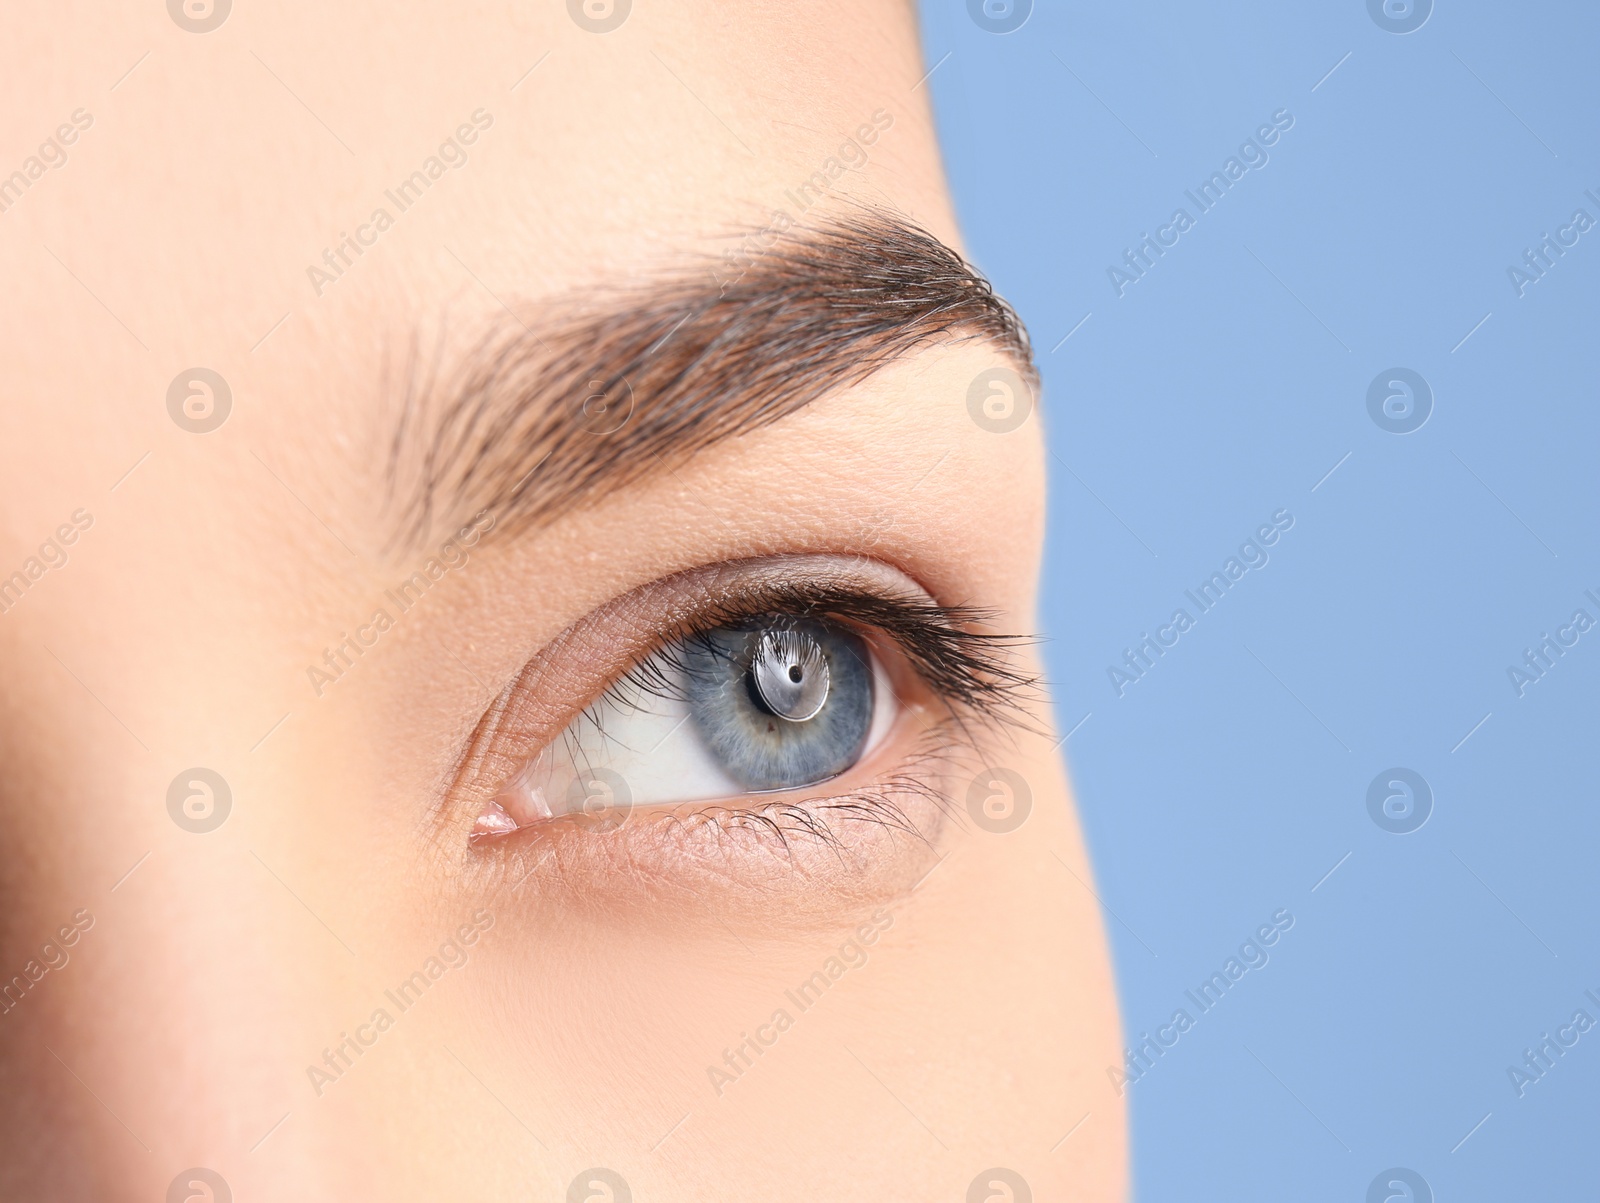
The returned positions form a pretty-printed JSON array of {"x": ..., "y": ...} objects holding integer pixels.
[{"x": 607, "y": 389}]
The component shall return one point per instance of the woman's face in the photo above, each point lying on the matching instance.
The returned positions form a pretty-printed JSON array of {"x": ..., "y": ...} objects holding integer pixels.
[{"x": 509, "y": 529}]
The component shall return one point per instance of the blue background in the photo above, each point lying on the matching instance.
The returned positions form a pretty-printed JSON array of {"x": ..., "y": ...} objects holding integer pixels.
[{"x": 1226, "y": 384}]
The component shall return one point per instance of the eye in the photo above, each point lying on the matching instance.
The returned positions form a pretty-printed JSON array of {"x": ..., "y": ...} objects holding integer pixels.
[
  {"x": 771, "y": 703},
  {"x": 822, "y": 709}
]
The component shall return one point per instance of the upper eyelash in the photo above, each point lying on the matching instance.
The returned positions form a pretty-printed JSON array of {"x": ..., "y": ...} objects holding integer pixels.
[{"x": 970, "y": 670}]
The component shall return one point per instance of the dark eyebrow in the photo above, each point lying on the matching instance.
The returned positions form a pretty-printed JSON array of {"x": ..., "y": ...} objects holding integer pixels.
[{"x": 604, "y": 391}]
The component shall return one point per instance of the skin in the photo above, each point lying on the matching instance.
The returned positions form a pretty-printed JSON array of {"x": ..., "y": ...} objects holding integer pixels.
[{"x": 580, "y": 1030}]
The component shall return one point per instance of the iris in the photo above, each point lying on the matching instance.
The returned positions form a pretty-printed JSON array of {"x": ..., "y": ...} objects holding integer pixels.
[{"x": 780, "y": 702}]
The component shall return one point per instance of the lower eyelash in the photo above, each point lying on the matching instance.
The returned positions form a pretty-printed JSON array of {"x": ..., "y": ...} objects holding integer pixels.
[
  {"x": 880, "y": 837},
  {"x": 885, "y": 805}
]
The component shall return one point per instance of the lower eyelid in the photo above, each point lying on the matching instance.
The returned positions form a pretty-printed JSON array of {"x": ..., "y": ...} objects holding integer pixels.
[{"x": 874, "y": 837}]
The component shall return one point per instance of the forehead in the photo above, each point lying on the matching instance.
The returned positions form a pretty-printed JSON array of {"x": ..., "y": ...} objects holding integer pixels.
[
  {"x": 281, "y": 199},
  {"x": 195, "y": 181}
]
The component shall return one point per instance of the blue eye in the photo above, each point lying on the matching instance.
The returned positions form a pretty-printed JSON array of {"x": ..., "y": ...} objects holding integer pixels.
[
  {"x": 770, "y": 697},
  {"x": 780, "y": 702},
  {"x": 762, "y": 704}
]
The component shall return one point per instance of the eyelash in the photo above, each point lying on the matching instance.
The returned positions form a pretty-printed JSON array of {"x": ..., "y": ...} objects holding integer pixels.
[
  {"x": 878, "y": 804},
  {"x": 969, "y": 671}
]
